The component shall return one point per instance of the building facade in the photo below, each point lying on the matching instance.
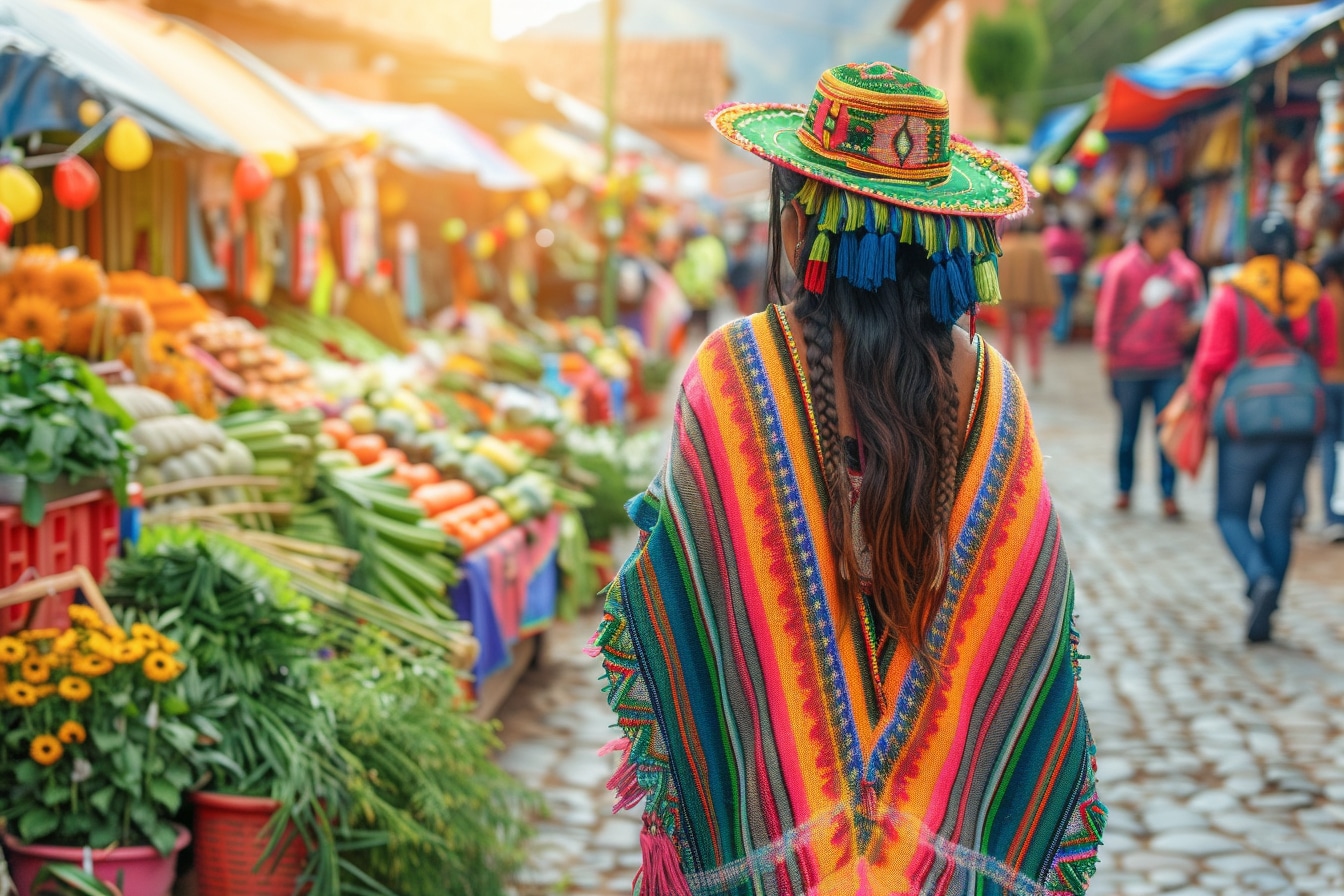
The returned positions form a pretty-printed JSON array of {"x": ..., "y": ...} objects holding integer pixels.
[{"x": 939, "y": 31}]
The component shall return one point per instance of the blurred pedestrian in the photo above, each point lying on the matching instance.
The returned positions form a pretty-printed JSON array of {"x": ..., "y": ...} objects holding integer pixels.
[
  {"x": 1269, "y": 322},
  {"x": 1066, "y": 250},
  {"x": 1148, "y": 292},
  {"x": 1331, "y": 270},
  {"x": 700, "y": 272},
  {"x": 1031, "y": 294}
]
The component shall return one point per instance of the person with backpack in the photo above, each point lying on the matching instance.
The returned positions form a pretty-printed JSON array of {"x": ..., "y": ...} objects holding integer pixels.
[
  {"x": 1266, "y": 334},
  {"x": 1331, "y": 271}
]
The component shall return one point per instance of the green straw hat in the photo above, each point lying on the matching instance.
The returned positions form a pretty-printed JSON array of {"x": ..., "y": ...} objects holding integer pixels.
[
  {"x": 881, "y": 135},
  {"x": 879, "y": 131}
]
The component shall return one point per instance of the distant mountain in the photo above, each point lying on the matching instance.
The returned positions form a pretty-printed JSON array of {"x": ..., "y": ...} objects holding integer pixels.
[{"x": 776, "y": 48}]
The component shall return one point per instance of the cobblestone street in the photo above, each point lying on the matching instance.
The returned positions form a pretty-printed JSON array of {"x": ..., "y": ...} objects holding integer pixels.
[{"x": 1222, "y": 764}]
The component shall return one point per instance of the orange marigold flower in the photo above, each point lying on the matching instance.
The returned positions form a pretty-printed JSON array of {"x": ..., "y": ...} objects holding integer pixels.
[
  {"x": 161, "y": 667},
  {"x": 20, "y": 693},
  {"x": 46, "y": 750},
  {"x": 85, "y": 617},
  {"x": 74, "y": 689},
  {"x": 72, "y": 732},
  {"x": 12, "y": 651},
  {"x": 131, "y": 651},
  {"x": 91, "y": 665},
  {"x": 39, "y": 634},
  {"x": 35, "y": 670}
]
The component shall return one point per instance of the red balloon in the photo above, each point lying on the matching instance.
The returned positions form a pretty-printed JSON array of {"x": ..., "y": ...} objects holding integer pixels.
[
  {"x": 75, "y": 183},
  {"x": 6, "y": 225},
  {"x": 251, "y": 179}
]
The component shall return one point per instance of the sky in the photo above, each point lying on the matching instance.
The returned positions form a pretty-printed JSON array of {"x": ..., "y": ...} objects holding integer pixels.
[{"x": 512, "y": 17}]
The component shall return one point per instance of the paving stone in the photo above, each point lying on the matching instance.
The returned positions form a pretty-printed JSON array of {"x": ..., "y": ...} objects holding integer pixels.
[
  {"x": 1193, "y": 843},
  {"x": 1173, "y": 818}
]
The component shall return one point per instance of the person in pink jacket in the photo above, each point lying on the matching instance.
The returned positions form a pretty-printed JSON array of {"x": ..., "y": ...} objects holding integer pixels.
[
  {"x": 1149, "y": 290},
  {"x": 1287, "y": 310}
]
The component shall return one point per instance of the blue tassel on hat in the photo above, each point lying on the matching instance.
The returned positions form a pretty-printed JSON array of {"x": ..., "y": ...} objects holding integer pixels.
[{"x": 847, "y": 259}]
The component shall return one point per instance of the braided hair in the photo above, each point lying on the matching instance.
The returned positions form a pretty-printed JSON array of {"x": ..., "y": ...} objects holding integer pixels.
[{"x": 903, "y": 400}]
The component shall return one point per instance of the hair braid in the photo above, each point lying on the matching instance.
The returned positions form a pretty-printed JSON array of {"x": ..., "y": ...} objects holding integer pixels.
[
  {"x": 949, "y": 452},
  {"x": 819, "y": 336}
]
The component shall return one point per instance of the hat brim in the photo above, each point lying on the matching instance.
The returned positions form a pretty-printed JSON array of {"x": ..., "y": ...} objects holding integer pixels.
[{"x": 982, "y": 184}]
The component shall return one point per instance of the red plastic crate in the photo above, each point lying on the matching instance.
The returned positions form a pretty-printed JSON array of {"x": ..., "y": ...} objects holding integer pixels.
[{"x": 82, "y": 530}]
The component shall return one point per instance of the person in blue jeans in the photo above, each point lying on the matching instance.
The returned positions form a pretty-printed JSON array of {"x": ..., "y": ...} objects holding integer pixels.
[
  {"x": 1272, "y": 304},
  {"x": 1331, "y": 271},
  {"x": 1131, "y": 395}
]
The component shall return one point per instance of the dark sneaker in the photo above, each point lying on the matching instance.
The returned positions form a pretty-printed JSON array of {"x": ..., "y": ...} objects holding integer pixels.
[
  {"x": 1264, "y": 601},
  {"x": 1122, "y": 501},
  {"x": 1170, "y": 509}
]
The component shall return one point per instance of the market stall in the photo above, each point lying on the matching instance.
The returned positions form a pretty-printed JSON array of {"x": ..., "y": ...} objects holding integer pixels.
[{"x": 1226, "y": 122}]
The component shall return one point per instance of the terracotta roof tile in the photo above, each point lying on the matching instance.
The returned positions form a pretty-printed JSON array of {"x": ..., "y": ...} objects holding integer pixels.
[{"x": 659, "y": 82}]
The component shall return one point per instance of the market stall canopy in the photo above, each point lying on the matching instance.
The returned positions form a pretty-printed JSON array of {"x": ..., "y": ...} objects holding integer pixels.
[
  {"x": 1142, "y": 96},
  {"x": 552, "y": 155},
  {"x": 1058, "y": 130},
  {"x": 242, "y": 105},
  {"x": 590, "y": 121},
  {"x": 50, "y": 62},
  {"x": 421, "y": 138}
]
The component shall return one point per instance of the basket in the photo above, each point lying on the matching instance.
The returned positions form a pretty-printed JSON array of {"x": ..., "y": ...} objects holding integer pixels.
[{"x": 231, "y": 838}]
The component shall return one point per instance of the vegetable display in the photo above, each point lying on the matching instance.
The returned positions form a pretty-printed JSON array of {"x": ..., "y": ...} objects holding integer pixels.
[{"x": 58, "y": 422}]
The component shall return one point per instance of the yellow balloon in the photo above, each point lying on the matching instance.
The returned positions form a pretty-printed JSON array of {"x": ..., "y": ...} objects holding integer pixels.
[
  {"x": 454, "y": 230},
  {"x": 1040, "y": 177},
  {"x": 537, "y": 202},
  {"x": 515, "y": 223},
  {"x": 485, "y": 246},
  {"x": 128, "y": 147},
  {"x": 19, "y": 193},
  {"x": 90, "y": 113},
  {"x": 392, "y": 198},
  {"x": 281, "y": 162}
]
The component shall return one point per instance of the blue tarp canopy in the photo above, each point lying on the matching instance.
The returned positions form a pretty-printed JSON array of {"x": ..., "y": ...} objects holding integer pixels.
[
  {"x": 1147, "y": 93},
  {"x": 50, "y": 62}
]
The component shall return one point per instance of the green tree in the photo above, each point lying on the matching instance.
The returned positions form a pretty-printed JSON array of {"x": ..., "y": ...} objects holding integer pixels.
[{"x": 1005, "y": 59}]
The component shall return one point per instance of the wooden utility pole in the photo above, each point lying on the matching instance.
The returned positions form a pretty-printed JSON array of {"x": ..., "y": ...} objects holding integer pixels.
[{"x": 609, "y": 212}]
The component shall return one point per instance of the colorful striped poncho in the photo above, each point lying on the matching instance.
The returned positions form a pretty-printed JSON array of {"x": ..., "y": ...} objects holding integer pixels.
[{"x": 767, "y": 757}]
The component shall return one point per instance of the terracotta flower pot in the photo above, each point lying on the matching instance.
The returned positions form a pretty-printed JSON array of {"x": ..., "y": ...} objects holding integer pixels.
[
  {"x": 231, "y": 838},
  {"x": 143, "y": 871}
]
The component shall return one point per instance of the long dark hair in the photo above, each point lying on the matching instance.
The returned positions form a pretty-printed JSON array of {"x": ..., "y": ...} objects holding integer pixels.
[{"x": 903, "y": 400}]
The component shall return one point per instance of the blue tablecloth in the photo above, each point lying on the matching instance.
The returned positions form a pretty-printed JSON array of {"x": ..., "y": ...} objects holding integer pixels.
[{"x": 508, "y": 591}]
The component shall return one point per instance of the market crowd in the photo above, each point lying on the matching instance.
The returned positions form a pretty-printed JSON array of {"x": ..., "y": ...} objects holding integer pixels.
[{"x": 1249, "y": 354}]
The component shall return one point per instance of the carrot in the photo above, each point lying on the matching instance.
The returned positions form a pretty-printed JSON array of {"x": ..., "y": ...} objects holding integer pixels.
[
  {"x": 536, "y": 439},
  {"x": 442, "y": 497},
  {"x": 338, "y": 429},
  {"x": 425, "y": 474},
  {"x": 392, "y": 456},
  {"x": 367, "y": 448}
]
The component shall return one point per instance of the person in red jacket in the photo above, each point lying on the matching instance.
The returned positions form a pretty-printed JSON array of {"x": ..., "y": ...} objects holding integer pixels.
[
  {"x": 1149, "y": 291},
  {"x": 1289, "y": 296}
]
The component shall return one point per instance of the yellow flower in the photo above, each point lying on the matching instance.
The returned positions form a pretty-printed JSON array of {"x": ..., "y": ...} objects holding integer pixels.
[
  {"x": 46, "y": 750},
  {"x": 74, "y": 688},
  {"x": 131, "y": 651},
  {"x": 91, "y": 665},
  {"x": 45, "y": 690},
  {"x": 100, "y": 644},
  {"x": 21, "y": 693},
  {"x": 36, "y": 670},
  {"x": 161, "y": 667},
  {"x": 168, "y": 645},
  {"x": 84, "y": 617},
  {"x": 72, "y": 733},
  {"x": 116, "y": 633},
  {"x": 12, "y": 650},
  {"x": 144, "y": 632},
  {"x": 67, "y": 643},
  {"x": 39, "y": 634}
]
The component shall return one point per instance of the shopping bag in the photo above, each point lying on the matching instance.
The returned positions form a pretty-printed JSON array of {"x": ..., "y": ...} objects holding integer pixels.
[
  {"x": 1337, "y": 499},
  {"x": 1184, "y": 432}
]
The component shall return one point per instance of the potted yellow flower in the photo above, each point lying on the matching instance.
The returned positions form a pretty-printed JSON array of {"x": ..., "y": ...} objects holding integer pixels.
[{"x": 96, "y": 755}]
